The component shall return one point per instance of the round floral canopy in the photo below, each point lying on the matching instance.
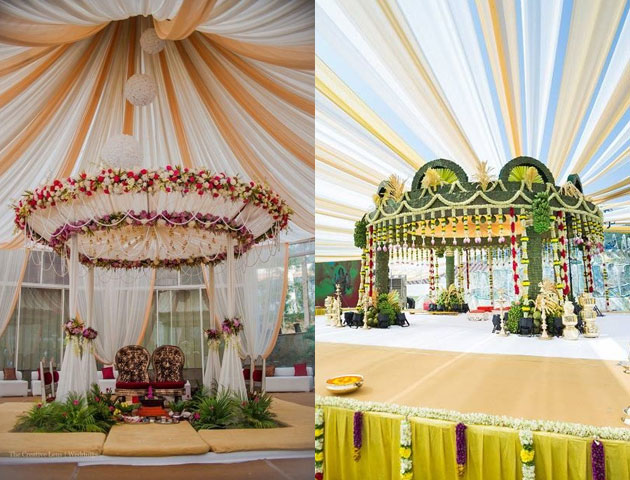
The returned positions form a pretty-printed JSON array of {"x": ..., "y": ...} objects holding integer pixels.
[{"x": 151, "y": 217}]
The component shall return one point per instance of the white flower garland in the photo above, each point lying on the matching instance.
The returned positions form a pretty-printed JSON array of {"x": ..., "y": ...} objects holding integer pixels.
[
  {"x": 406, "y": 463},
  {"x": 527, "y": 454},
  {"x": 319, "y": 443},
  {"x": 563, "y": 428}
]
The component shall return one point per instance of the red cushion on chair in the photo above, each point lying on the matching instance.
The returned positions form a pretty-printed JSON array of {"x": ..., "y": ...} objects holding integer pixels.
[
  {"x": 108, "y": 373},
  {"x": 246, "y": 373},
  {"x": 179, "y": 384},
  {"x": 56, "y": 375},
  {"x": 300, "y": 370},
  {"x": 132, "y": 385},
  {"x": 47, "y": 376},
  {"x": 257, "y": 375}
]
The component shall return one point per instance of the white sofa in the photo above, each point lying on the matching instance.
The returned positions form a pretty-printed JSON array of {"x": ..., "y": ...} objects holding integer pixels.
[
  {"x": 13, "y": 388},
  {"x": 284, "y": 380},
  {"x": 104, "y": 384}
]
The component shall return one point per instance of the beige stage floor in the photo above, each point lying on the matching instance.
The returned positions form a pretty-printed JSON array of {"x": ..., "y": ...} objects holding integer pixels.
[{"x": 572, "y": 390}]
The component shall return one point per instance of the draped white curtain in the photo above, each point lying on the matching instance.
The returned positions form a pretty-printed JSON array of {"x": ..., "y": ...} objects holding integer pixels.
[
  {"x": 13, "y": 266},
  {"x": 72, "y": 377},
  {"x": 260, "y": 291},
  {"x": 231, "y": 376},
  {"x": 120, "y": 304},
  {"x": 212, "y": 372}
]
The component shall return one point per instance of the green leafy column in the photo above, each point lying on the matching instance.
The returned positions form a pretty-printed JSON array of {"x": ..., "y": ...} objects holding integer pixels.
[
  {"x": 535, "y": 254},
  {"x": 381, "y": 272},
  {"x": 450, "y": 267}
]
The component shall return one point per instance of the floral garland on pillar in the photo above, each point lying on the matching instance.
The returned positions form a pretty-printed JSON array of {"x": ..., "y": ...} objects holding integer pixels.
[
  {"x": 74, "y": 334},
  {"x": 528, "y": 468},
  {"x": 467, "y": 271},
  {"x": 406, "y": 463},
  {"x": 562, "y": 238},
  {"x": 490, "y": 275},
  {"x": 213, "y": 338},
  {"x": 598, "y": 460},
  {"x": 357, "y": 435},
  {"x": 517, "y": 289},
  {"x": 461, "y": 448},
  {"x": 556, "y": 261},
  {"x": 436, "y": 282},
  {"x": 525, "y": 263},
  {"x": 371, "y": 261},
  {"x": 605, "y": 277},
  {"x": 319, "y": 443},
  {"x": 588, "y": 266},
  {"x": 431, "y": 276}
]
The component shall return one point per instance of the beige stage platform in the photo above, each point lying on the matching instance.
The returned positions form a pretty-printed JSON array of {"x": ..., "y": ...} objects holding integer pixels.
[
  {"x": 153, "y": 440},
  {"x": 572, "y": 390}
]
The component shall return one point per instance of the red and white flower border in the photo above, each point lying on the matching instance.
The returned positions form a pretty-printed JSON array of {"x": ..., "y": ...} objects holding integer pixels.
[{"x": 175, "y": 179}]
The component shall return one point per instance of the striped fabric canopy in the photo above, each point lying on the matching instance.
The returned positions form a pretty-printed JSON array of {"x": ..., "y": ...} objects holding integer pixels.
[
  {"x": 401, "y": 82},
  {"x": 235, "y": 92}
]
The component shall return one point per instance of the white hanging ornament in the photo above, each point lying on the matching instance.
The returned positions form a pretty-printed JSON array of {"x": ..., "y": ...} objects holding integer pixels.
[
  {"x": 122, "y": 151},
  {"x": 140, "y": 89},
  {"x": 150, "y": 42}
]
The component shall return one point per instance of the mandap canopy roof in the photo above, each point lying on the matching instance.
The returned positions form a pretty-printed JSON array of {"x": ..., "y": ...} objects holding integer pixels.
[
  {"x": 402, "y": 82},
  {"x": 234, "y": 92}
]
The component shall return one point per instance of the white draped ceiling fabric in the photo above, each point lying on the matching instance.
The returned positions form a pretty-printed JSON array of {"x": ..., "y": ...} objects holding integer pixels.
[
  {"x": 401, "y": 82},
  {"x": 234, "y": 82}
]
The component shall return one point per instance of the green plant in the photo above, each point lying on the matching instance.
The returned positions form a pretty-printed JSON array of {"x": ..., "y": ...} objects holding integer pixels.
[
  {"x": 178, "y": 407},
  {"x": 515, "y": 313},
  {"x": 360, "y": 234},
  {"x": 216, "y": 412},
  {"x": 75, "y": 414},
  {"x": 541, "y": 213},
  {"x": 450, "y": 298},
  {"x": 255, "y": 412}
]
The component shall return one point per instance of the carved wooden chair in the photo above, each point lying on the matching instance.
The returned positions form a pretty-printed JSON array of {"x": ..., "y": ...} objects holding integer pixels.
[
  {"x": 168, "y": 367},
  {"x": 132, "y": 364}
]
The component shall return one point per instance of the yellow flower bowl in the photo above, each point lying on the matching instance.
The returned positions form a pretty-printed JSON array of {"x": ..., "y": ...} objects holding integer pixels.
[{"x": 342, "y": 384}]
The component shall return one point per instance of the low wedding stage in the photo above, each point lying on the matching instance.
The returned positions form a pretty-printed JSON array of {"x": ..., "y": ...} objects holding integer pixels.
[
  {"x": 446, "y": 370},
  {"x": 295, "y": 435}
]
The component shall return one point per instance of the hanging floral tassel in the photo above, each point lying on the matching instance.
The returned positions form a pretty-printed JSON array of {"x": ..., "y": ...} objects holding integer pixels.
[
  {"x": 406, "y": 464},
  {"x": 319, "y": 444},
  {"x": 517, "y": 289},
  {"x": 357, "y": 435},
  {"x": 460, "y": 445},
  {"x": 528, "y": 468},
  {"x": 598, "y": 460}
]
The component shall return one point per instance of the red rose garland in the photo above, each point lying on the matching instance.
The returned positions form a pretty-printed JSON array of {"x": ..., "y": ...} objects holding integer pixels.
[
  {"x": 562, "y": 238},
  {"x": 588, "y": 266},
  {"x": 517, "y": 289},
  {"x": 431, "y": 276}
]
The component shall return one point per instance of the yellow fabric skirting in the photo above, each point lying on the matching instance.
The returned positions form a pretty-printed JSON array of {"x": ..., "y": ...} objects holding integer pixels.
[
  {"x": 493, "y": 452},
  {"x": 51, "y": 444}
]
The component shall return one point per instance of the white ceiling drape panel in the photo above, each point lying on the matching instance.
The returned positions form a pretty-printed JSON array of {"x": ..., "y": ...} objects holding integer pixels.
[
  {"x": 120, "y": 303},
  {"x": 13, "y": 266},
  {"x": 199, "y": 118},
  {"x": 259, "y": 288},
  {"x": 467, "y": 81}
]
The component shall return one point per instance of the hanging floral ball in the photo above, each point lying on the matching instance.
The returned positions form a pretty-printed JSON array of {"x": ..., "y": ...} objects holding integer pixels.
[
  {"x": 150, "y": 42},
  {"x": 140, "y": 89},
  {"x": 122, "y": 151}
]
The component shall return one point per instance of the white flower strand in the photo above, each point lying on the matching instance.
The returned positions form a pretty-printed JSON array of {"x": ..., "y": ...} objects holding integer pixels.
[
  {"x": 563, "y": 428},
  {"x": 406, "y": 463},
  {"x": 527, "y": 445}
]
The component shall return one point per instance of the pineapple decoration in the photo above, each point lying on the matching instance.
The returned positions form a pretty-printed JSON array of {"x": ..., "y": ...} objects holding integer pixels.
[
  {"x": 477, "y": 227},
  {"x": 454, "y": 226},
  {"x": 465, "y": 221},
  {"x": 443, "y": 227}
]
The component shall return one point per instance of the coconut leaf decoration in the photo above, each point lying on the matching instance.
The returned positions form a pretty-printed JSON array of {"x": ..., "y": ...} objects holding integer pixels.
[
  {"x": 570, "y": 190},
  {"x": 548, "y": 299},
  {"x": 432, "y": 179},
  {"x": 525, "y": 174},
  {"x": 484, "y": 175},
  {"x": 393, "y": 188}
]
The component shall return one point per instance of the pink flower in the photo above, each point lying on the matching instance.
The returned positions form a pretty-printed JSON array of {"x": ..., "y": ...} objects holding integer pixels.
[
  {"x": 39, "y": 405},
  {"x": 196, "y": 416},
  {"x": 75, "y": 402}
]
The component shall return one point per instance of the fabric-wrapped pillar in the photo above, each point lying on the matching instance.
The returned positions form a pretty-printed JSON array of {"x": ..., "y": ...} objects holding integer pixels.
[
  {"x": 212, "y": 371},
  {"x": 71, "y": 376},
  {"x": 449, "y": 256},
  {"x": 88, "y": 362},
  {"x": 231, "y": 377}
]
